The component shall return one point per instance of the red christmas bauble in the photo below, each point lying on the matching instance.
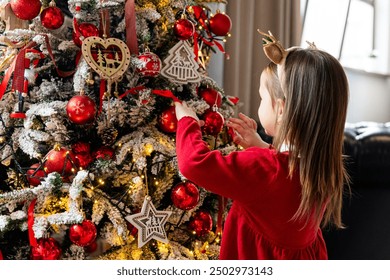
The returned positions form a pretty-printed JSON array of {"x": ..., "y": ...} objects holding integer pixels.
[
  {"x": 92, "y": 247},
  {"x": 132, "y": 229},
  {"x": 152, "y": 65},
  {"x": 60, "y": 160},
  {"x": 211, "y": 96},
  {"x": 81, "y": 109},
  {"x": 46, "y": 249},
  {"x": 184, "y": 29},
  {"x": 34, "y": 175},
  {"x": 213, "y": 122},
  {"x": 220, "y": 24},
  {"x": 83, "y": 160},
  {"x": 52, "y": 18},
  {"x": 83, "y": 234},
  {"x": 201, "y": 223},
  {"x": 25, "y": 9},
  {"x": 185, "y": 195},
  {"x": 168, "y": 121},
  {"x": 85, "y": 30},
  {"x": 81, "y": 147},
  {"x": 104, "y": 152}
]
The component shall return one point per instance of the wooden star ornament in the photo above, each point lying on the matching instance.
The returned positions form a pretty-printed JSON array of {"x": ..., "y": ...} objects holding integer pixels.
[{"x": 150, "y": 223}]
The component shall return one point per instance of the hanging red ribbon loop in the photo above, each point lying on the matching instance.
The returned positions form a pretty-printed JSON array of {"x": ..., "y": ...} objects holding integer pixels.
[{"x": 161, "y": 92}]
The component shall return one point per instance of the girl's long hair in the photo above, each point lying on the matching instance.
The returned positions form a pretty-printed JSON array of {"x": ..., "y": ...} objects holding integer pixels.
[{"x": 316, "y": 98}]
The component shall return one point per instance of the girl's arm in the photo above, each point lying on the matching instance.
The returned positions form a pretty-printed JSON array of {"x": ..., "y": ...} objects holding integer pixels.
[{"x": 236, "y": 175}]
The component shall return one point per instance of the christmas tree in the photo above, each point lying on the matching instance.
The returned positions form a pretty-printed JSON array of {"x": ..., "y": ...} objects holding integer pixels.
[{"x": 87, "y": 128}]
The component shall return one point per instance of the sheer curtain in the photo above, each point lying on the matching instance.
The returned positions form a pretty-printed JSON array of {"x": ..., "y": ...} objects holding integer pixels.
[{"x": 242, "y": 71}]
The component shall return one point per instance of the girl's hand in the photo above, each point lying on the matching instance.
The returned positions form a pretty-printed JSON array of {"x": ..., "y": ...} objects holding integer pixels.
[
  {"x": 245, "y": 130},
  {"x": 182, "y": 110}
]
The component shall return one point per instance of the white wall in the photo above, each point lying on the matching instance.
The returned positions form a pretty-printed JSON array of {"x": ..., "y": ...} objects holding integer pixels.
[{"x": 369, "y": 97}]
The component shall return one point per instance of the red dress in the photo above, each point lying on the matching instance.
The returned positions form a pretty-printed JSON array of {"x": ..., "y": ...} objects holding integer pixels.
[{"x": 259, "y": 225}]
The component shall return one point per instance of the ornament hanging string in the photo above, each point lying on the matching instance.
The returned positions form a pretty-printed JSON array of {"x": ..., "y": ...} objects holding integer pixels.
[
  {"x": 161, "y": 92},
  {"x": 131, "y": 31},
  {"x": 30, "y": 221}
]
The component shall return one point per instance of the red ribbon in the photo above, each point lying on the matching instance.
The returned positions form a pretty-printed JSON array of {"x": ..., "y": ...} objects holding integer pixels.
[
  {"x": 161, "y": 92},
  {"x": 62, "y": 74},
  {"x": 4, "y": 83},
  {"x": 131, "y": 31},
  {"x": 30, "y": 221}
]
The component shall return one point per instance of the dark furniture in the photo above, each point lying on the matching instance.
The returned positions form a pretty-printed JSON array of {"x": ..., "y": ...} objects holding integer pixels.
[{"x": 366, "y": 212}]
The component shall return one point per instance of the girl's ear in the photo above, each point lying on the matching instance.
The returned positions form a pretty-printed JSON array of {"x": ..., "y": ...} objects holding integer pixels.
[{"x": 280, "y": 110}]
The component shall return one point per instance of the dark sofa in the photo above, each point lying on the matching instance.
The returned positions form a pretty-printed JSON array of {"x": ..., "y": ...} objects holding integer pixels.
[{"x": 366, "y": 210}]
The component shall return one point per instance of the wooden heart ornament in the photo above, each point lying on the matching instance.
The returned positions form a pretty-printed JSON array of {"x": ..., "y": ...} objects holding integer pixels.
[{"x": 110, "y": 57}]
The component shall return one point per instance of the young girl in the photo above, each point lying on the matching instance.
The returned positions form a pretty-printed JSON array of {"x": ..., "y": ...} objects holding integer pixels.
[{"x": 284, "y": 192}]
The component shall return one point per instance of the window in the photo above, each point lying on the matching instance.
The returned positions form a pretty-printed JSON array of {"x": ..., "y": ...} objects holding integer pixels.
[{"x": 349, "y": 29}]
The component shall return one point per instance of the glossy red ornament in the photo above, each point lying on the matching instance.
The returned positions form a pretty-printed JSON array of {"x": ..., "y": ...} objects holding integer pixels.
[
  {"x": 92, "y": 247},
  {"x": 83, "y": 160},
  {"x": 26, "y": 9},
  {"x": 35, "y": 175},
  {"x": 211, "y": 96},
  {"x": 152, "y": 65},
  {"x": 46, "y": 249},
  {"x": 81, "y": 147},
  {"x": 220, "y": 24},
  {"x": 85, "y": 30},
  {"x": 83, "y": 234},
  {"x": 81, "y": 109},
  {"x": 52, "y": 18},
  {"x": 213, "y": 122},
  {"x": 168, "y": 121},
  {"x": 60, "y": 160},
  {"x": 1, "y": 256},
  {"x": 104, "y": 152},
  {"x": 201, "y": 223},
  {"x": 132, "y": 229},
  {"x": 184, "y": 29},
  {"x": 185, "y": 195}
]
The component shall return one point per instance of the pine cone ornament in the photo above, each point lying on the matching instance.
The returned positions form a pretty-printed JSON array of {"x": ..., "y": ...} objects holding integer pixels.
[{"x": 108, "y": 135}]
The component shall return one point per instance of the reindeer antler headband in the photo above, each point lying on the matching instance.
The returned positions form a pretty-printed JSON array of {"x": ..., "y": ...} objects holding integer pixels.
[{"x": 274, "y": 50}]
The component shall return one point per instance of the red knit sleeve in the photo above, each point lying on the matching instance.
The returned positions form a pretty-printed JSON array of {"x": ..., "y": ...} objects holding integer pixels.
[{"x": 235, "y": 175}]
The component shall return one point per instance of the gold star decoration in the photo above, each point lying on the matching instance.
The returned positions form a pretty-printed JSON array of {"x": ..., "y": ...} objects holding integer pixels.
[{"x": 150, "y": 223}]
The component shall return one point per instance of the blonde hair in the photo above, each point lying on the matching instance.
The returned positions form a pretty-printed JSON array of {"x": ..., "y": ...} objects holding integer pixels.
[{"x": 316, "y": 97}]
